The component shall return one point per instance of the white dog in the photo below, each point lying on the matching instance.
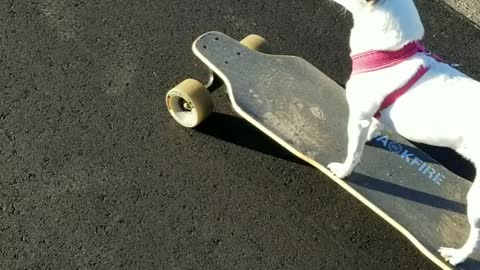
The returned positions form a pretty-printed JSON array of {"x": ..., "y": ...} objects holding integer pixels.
[{"x": 410, "y": 91}]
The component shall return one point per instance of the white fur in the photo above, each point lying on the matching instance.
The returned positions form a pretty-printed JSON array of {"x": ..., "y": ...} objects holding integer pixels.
[{"x": 440, "y": 109}]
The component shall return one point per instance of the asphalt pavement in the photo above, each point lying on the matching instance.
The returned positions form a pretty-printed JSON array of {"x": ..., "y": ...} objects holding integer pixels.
[{"x": 95, "y": 174}]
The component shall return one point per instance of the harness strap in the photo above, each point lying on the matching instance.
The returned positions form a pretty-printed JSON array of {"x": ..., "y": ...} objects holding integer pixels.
[
  {"x": 376, "y": 60},
  {"x": 390, "y": 99}
]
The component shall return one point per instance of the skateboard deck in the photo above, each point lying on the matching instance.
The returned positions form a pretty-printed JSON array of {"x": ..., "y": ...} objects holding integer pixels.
[{"x": 306, "y": 112}]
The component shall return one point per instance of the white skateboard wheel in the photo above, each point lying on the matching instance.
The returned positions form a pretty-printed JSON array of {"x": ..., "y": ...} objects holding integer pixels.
[
  {"x": 189, "y": 103},
  {"x": 256, "y": 43}
]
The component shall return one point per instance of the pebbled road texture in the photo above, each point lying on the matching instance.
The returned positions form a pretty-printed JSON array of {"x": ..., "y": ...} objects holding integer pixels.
[
  {"x": 470, "y": 9},
  {"x": 96, "y": 175}
]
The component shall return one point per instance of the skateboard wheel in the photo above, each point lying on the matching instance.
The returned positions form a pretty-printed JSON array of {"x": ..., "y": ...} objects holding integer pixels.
[
  {"x": 256, "y": 43},
  {"x": 189, "y": 103}
]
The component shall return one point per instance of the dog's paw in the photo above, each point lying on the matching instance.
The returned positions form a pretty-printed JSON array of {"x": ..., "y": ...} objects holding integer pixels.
[
  {"x": 453, "y": 256},
  {"x": 341, "y": 170}
]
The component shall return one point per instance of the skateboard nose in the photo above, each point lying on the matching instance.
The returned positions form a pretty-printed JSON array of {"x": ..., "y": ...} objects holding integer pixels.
[{"x": 221, "y": 51}]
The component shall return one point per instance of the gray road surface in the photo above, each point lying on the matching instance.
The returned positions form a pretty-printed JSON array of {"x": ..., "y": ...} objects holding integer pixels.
[{"x": 96, "y": 175}]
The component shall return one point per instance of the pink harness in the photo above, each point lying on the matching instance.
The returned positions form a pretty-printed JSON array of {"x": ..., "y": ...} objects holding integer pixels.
[{"x": 376, "y": 60}]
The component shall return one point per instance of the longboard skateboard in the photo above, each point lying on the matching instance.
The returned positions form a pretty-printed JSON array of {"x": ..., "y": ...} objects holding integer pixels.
[{"x": 306, "y": 112}]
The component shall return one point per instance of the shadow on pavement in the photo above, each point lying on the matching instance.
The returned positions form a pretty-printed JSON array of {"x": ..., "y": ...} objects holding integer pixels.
[{"x": 239, "y": 132}]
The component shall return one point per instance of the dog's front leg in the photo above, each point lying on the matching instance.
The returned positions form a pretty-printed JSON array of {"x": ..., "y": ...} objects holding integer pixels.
[{"x": 358, "y": 126}]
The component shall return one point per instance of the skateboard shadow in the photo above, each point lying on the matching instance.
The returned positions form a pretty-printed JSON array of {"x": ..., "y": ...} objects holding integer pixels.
[
  {"x": 406, "y": 193},
  {"x": 239, "y": 132},
  {"x": 469, "y": 264}
]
